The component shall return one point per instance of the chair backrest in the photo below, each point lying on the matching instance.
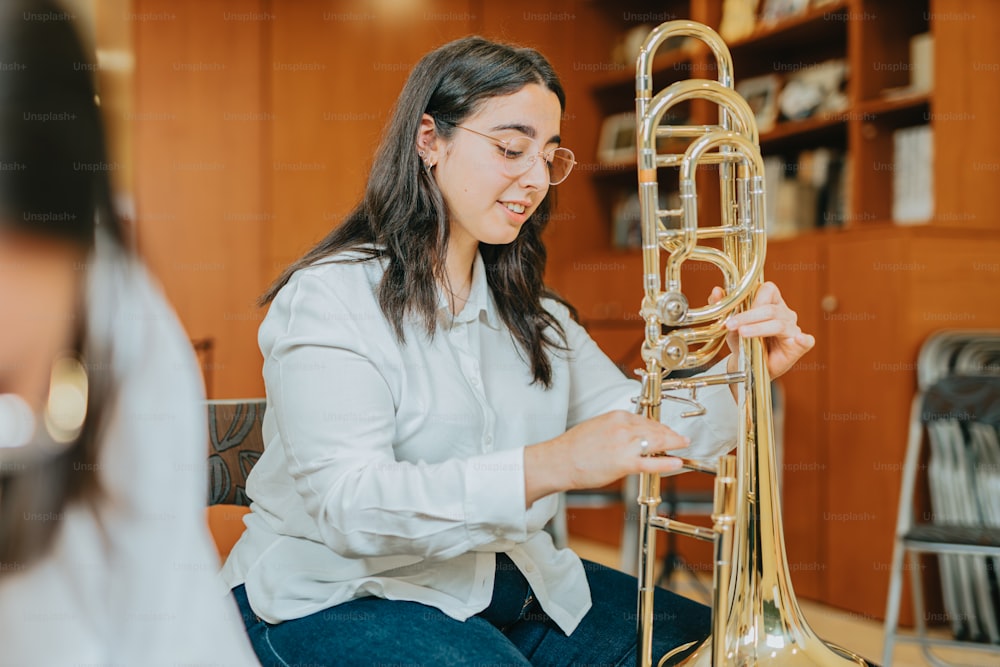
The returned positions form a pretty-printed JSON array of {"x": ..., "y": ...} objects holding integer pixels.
[
  {"x": 957, "y": 384},
  {"x": 957, "y": 351},
  {"x": 235, "y": 442}
]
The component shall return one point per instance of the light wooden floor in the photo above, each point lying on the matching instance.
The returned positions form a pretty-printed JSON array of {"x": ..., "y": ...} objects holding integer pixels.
[{"x": 862, "y": 636}]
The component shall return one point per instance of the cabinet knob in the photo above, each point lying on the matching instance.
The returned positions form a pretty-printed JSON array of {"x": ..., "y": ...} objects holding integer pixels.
[{"x": 828, "y": 303}]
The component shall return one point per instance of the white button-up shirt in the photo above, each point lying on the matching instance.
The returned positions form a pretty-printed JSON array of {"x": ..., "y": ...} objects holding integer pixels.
[
  {"x": 397, "y": 470},
  {"x": 129, "y": 578}
]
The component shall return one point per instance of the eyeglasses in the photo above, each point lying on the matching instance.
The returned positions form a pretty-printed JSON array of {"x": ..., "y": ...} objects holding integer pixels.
[{"x": 520, "y": 154}]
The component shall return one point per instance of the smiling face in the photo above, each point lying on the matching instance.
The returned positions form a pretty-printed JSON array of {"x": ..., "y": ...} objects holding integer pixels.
[{"x": 484, "y": 204}]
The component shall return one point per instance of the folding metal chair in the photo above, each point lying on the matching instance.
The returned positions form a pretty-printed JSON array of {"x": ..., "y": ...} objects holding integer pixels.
[{"x": 957, "y": 412}]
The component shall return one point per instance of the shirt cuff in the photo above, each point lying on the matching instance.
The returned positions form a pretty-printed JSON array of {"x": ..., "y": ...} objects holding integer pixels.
[{"x": 494, "y": 497}]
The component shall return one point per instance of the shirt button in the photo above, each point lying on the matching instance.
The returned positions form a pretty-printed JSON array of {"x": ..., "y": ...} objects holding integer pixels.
[
  {"x": 528, "y": 567},
  {"x": 474, "y": 380},
  {"x": 488, "y": 440}
]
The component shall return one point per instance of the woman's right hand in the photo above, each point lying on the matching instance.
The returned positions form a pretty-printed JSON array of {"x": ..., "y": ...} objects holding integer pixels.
[{"x": 599, "y": 451}]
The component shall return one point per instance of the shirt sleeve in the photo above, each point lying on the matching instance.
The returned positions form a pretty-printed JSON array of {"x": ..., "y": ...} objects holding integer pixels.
[
  {"x": 331, "y": 378},
  {"x": 166, "y": 603},
  {"x": 598, "y": 386}
]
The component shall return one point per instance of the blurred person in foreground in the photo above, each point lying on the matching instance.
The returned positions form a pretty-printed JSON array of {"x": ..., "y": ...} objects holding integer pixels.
[{"x": 105, "y": 557}]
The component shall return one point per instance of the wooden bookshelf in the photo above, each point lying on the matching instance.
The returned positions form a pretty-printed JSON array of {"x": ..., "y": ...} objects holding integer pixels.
[{"x": 871, "y": 290}]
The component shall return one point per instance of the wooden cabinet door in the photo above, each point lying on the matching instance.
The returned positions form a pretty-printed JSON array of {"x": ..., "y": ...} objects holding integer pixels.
[
  {"x": 798, "y": 267},
  {"x": 864, "y": 417}
]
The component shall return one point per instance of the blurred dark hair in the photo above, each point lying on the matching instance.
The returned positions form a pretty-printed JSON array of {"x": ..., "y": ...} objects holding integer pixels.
[
  {"x": 404, "y": 215},
  {"x": 54, "y": 185}
]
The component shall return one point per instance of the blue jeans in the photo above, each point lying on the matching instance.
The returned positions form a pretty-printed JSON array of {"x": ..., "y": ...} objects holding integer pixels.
[{"x": 372, "y": 631}]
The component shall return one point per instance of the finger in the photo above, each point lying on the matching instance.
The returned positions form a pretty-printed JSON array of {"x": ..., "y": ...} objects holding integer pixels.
[
  {"x": 776, "y": 328},
  {"x": 716, "y": 295},
  {"x": 675, "y": 441},
  {"x": 660, "y": 464},
  {"x": 660, "y": 438},
  {"x": 768, "y": 292},
  {"x": 664, "y": 440},
  {"x": 762, "y": 313},
  {"x": 808, "y": 341}
]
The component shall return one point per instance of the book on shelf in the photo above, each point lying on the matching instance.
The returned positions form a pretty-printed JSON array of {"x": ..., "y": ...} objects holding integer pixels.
[
  {"x": 835, "y": 193},
  {"x": 626, "y": 230},
  {"x": 913, "y": 174},
  {"x": 739, "y": 18},
  {"x": 804, "y": 192}
]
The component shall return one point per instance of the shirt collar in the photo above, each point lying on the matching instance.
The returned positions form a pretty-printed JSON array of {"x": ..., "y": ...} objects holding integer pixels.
[{"x": 480, "y": 301}]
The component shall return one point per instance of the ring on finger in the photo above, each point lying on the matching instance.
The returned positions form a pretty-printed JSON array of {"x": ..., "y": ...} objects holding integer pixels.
[{"x": 643, "y": 447}]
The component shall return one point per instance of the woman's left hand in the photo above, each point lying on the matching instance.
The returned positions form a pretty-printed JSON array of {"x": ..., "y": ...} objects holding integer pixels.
[{"x": 771, "y": 318}]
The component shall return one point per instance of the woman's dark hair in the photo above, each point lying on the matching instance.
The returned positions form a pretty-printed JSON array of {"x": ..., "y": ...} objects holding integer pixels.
[
  {"x": 53, "y": 185},
  {"x": 403, "y": 214}
]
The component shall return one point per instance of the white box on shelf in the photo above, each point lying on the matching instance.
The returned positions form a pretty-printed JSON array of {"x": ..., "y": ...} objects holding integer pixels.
[
  {"x": 922, "y": 62},
  {"x": 913, "y": 174}
]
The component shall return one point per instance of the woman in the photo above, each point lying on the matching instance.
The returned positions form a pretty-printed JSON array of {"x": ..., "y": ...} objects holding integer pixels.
[
  {"x": 104, "y": 553},
  {"x": 428, "y": 397}
]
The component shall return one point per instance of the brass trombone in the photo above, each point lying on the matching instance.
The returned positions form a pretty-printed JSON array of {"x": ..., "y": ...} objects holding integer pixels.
[{"x": 755, "y": 617}]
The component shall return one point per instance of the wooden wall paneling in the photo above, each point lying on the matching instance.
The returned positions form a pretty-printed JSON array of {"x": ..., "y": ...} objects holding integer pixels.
[
  {"x": 966, "y": 96},
  {"x": 199, "y": 125},
  {"x": 326, "y": 121},
  {"x": 955, "y": 284},
  {"x": 336, "y": 70}
]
